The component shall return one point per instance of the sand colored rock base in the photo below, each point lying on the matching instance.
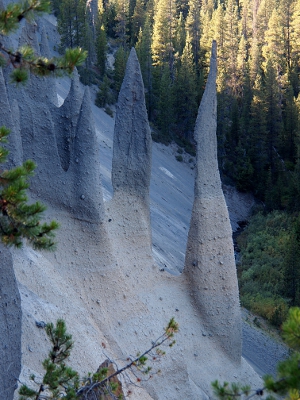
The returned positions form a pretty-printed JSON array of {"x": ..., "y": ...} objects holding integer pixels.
[
  {"x": 210, "y": 264},
  {"x": 102, "y": 279}
]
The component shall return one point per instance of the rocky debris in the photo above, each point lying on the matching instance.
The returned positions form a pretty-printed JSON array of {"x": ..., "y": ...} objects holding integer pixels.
[
  {"x": 210, "y": 263},
  {"x": 10, "y": 326}
]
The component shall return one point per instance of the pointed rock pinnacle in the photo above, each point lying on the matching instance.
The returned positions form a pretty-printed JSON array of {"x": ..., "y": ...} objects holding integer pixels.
[
  {"x": 65, "y": 121},
  {"x": 210, "y": 264},
  {"x": 84, "y": 172},
  {"x": 131, "y": 166}
]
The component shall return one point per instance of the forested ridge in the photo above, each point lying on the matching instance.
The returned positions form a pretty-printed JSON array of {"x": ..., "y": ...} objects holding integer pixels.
[{"x": 258, "y": 104}]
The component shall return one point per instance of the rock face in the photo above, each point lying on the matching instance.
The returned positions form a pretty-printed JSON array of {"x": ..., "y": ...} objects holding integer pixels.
[
  {"x": 210, "y": 263},
  {"x": 131, "y": 165},
  {"x": 15, "y": 144},
  {"x": 102, "y": 278},
  {"x": 132, "y": 138},
  {"x": 10, "y": 327}
]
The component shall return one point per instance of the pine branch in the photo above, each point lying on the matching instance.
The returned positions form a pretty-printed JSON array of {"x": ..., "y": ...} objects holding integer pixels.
[
  {"x": 137, "y": 362},
  {"x": 61, "y": 381}
]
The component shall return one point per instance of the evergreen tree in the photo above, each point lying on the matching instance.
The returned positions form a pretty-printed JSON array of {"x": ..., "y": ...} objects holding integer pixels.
[
  {"x": 143, "y": 49},
  {"x": 193, "y": 28},
  {"x": 164, "y": 35},
  {"x": 180, "y": 36},
  {"x": 101, "y": 48},
  {"x": 138, "y": 20},
  {"x": 119, "y": 68},
  {"x": 72, "y": 24},
  {"x": 165, "y": 102},
  {"x": 185, "y": 94},
  {"x": 120, "y": 28},
  {"x": 291, "y": 266}
]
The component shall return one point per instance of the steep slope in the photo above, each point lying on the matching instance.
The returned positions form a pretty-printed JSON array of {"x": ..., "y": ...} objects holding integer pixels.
[{"x": 103, "y": 279}]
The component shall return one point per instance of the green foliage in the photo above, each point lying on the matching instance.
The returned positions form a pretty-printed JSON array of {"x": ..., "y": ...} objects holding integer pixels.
[
  {"x": 24, "y": 59},
  {"x": 121, "y": 57},
  {"x": 287, "y": 382},
  {"x": 61, "y": 381},
  {"x": 269, "y": 270},
  {"x": 19, "y": 220},
  {"x": 58, "y": 378},
  {"x": 15, "y": 12},
  {"x": 104, "y": 95}
]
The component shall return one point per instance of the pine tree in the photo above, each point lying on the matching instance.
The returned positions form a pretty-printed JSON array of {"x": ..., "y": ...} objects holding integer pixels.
[
  {"x": 165, "y": 103},
  {"x": 71, "y": 23},
  {"x": 185, "y": 94},
  {"x": 164, "y": 35},
  {"x": 121, "y": 31},
  {"x": 101, "y": 47},
  {"x": 180, "y": 36},
  {"x": 138, "y": 20},
  {"x": 143, "y": 49},
  {"x": 61, "y": 381},
  {"x": 193, "y": 28},
  {"x": 119, "y": 68}
]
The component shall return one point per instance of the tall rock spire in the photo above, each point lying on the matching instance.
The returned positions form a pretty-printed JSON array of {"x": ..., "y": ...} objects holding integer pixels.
[
  {"x": 210, "y": 264},
  {"x": 131, "y": 168},
  {"x": 65, "y": 121},
  {"x": 84, "y": 172},
  {"x": 131, "y": 165}
]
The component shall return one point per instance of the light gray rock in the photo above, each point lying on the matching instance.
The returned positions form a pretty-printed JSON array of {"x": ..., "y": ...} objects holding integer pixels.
[
  {"x": 210, "y": 263},
  {"x": 9, "y": 117},
  {"x": 131, "y": 166},
  {"x": 65, "y": 121},
  {"x": 44, "y": 45},
  {"x": 84, "y": 174},
  {"x": 10, "y": 327}
]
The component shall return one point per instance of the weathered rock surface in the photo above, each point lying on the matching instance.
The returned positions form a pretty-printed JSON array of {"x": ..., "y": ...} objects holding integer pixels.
[
  {"x": 210, "y": 264},
  {"x": 102, "y": 279},
  {"x": 10, "y": 326},
  {"x": 131, "y": 164},
  {"x": 14, "y": 144},
  {"x": 83, "y": 175},
  {"x": 131, "y": 167},
  {"x": 65, "y": 121}
]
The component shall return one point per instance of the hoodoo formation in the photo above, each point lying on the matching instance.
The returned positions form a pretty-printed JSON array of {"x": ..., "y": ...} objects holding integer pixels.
[
  {"x": 210, "y": 263},
  {"x": 131, "y": 165},
  {"x": 102, "y": 278}
]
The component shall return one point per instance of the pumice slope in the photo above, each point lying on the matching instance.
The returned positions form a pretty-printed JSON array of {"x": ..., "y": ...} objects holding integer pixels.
[{"x": 102, "y": 279}]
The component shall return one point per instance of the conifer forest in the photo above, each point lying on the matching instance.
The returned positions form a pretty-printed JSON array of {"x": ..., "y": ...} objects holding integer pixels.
[{"x": 258, "y": 108}]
